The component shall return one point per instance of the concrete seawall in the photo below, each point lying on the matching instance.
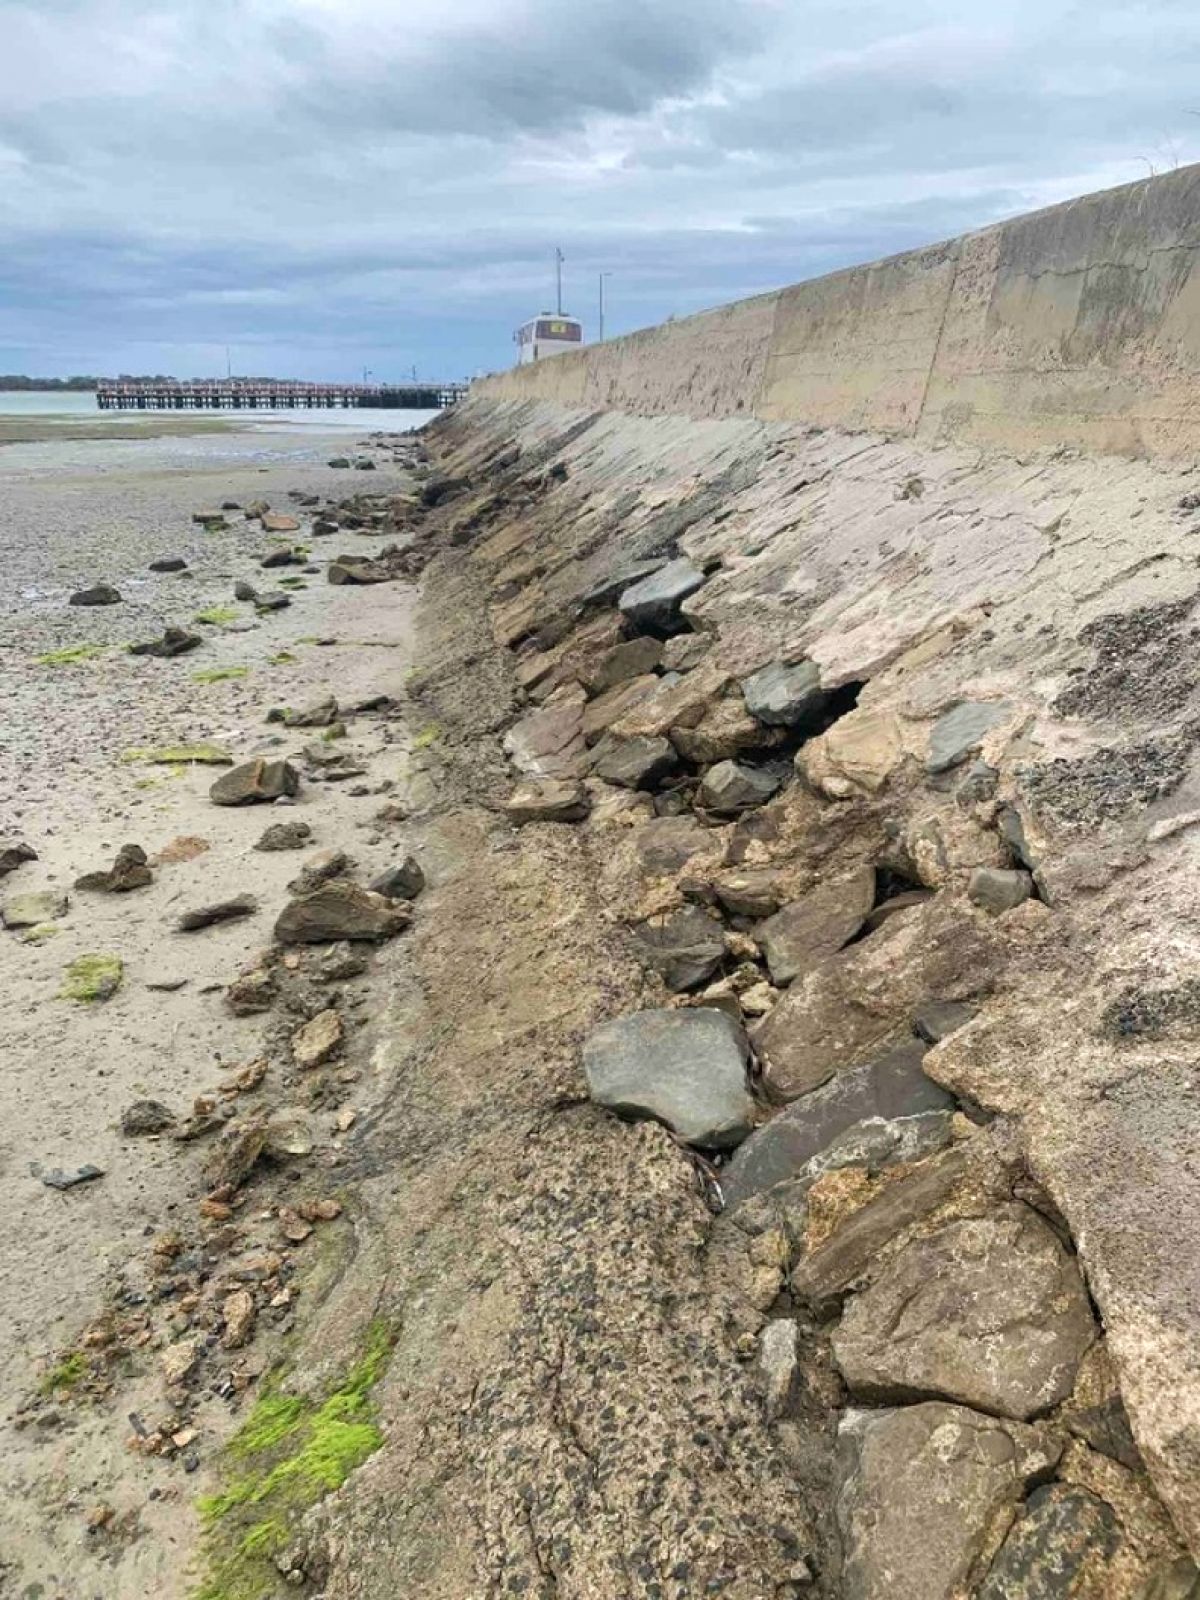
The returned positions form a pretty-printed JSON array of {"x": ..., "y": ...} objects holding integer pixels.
[{"x": 1077, "y": 326}]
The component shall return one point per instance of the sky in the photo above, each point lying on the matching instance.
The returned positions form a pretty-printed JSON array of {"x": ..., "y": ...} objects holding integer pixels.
[{"x": 327, "y": 187}]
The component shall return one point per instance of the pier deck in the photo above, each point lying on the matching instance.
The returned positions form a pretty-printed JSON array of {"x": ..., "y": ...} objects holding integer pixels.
[{"x": 249, "y": 394}]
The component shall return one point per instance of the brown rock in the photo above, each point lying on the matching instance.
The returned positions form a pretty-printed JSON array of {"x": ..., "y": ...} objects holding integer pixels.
[
  {"x": 921, "y": 1491},
  {"x": 340, "y": 910},
  {"x": 278, "y": 522},
  {"x": 818, "y": 925},
  {"x": 633, "y": 658},
  {"x": 128, "y": 871},
  {"x": 724, "y": 731},
  {"x": 294, "y": 1228},
  {"x": 355, "y": 570},
  {"x": 242, "y": 905},
  {"x": 601, "y": 713},
  {"x": 548, "y": 743},
  {"x": 240, "y": 1146},
  {"x": 251, "y": 991},
  {"x": 255, "y": 782},
  {"x": 238, "y": 1314},
  {"x": 13, "y": 852},
  {"x": 548, "y": 800},
  {"x": 178, "y": 1361},
  {"x": 318, "y": 1040}
]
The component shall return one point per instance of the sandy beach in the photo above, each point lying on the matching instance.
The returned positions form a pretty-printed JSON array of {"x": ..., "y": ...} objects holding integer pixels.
[{"x": 88, "y": 1507}]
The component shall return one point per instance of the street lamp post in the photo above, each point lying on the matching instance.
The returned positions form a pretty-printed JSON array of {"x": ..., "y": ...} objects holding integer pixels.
[{"x": 603, "y": 275}]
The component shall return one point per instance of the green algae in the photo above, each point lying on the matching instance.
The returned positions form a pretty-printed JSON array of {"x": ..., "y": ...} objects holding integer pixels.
[
  {"x": 179, "y": 755},
  {"x": 96, "y": 976},
  {"x": 289, "y": 1453},
  {"x": 218, "y": 615},
  {"x": 72, "y": 1369},
  {"x": 69, "y": 655},
  {"x": 282, "y": 658},
  {"x": 219, "y": 674},
  {"x": 429, "y": 735}
]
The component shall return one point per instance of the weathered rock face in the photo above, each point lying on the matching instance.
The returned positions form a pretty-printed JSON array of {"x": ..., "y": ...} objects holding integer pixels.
[
  {"x": 886, "y": 1093},
  {"x": 784, "y": 695},
  {"x": 959, "y": 732},
  {"x": 549, "y": 743},
  {"x": 921, "y": 1490},
  {"x": 808, "y": 930},
  {"x": 723, "y": 732},
  {"x": 989, "y": 1311},
  {"x": 638, "y": 763},
  {"x": 685, "y": 947},
  {"x": 633, "y": 658},
  {"x": 255, "y": 782},
  {"x": 339, "y": 910},
  {"x": 609, "y": 707},
  {"x": 684, "y": 1068},
  {"x": 996, "y": 889},
  {"x": 857, "y": 755}
]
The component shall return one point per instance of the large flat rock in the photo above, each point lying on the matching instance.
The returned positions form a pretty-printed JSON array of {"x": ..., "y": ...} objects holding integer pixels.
[
  {"x": 989, "y": 1311},
  {"x": 686, "y": 1068}
]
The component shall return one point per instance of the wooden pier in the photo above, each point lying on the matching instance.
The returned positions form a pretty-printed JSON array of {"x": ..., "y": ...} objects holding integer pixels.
[{"x": 251, "y": 394}]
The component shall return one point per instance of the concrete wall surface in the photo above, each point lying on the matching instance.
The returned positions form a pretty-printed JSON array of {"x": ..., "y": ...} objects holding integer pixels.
[{"x": 1079, "y": 325}]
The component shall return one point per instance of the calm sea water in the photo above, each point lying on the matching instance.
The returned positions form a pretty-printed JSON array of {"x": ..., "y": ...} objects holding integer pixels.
[{"x": 73, "y": 407}]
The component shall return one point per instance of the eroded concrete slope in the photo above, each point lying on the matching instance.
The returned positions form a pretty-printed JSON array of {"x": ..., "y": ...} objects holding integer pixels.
[{"x": 888, "y": 753}]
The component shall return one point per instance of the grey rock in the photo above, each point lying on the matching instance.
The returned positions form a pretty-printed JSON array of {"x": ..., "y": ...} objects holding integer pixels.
[
  {"x": 57, "y": 1178},
  {"x": 100, "y": 594},
  {"x": 244, "y": 591},
  {"x": 284, "y": 556},
  {"x": 321, "y": 714},
  {"x": 324, "y": 867},
  {"x": 210, "y": 517},
  {"x": 272, "y": 600},
  {"x": 685, "y": 947},
  {"x": 894, "y": 907},
  {"x": 990, "y": 1311},
  {"x": 237, "y": 1151},
  {"x": 892, "y": 1086},
  {"x": 979, "y": 784},
  {"x": 168, "y": 564},
  {"x": 1062, "y": 1536},
  {"x": 778, "y": 1363},
  {"x": 31, "y": 909},
  {"x": 166, "y": 982},
  {"x": 938, "y": 1019},
  {"x": 806, "y": 931},
  {"x": 355, "y": 570},
  {"x": 686, "y": 1068},
  {"x": 284, "y": 836},
  {"x": 731, "y": 787},
  {"x": 638, "y": 763},
  {"x": 654, "y": 602},
  {"x": 548, "y": 800},
  {"x": 146, "y": 1116},
  {"x": 609, "y": 707},
  {"x": 174, "y": 642},
  {"x": 338, "y": 461},
  {"x": 404, "y": 881},
  {"x": 255, "y": 783},
  {"x": 339, "y": 910},
  {"x": 14, "y": 853},
  {"x": 242, "y": 905},
  {"x": 919, "y": 1493},
  {"x": 608, "y": 589},
  {"x": 632, "y": 658},
  {"x": 958, "y": 733},
  {"x": 998, "y": 889},
  {"x": 785, "y": 696}
]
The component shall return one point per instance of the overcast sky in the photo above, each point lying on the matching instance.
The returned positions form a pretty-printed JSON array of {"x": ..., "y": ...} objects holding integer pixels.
[{"x": 328, "y": 185}]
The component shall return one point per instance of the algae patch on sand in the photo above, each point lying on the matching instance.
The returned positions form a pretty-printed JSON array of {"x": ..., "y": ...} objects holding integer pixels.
[
  {"x": 92, "y": 977},
  {"x": 289, "y": 1453},
  {"x": 218, "y": 615},
  {"x": 172, "y": 755},
  {"x": 219, "y": 674},
  {"x": 69, "y": 655}
]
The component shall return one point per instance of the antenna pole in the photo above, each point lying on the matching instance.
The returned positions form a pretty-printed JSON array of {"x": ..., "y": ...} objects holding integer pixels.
[{"x": 559, "y": 258}]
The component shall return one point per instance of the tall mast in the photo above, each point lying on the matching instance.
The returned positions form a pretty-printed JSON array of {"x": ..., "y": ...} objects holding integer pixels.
[{"x": 559, "y": 258}]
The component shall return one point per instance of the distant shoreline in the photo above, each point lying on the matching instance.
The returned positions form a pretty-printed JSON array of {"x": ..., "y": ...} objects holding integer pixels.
[{"x": 47, "y": 426}]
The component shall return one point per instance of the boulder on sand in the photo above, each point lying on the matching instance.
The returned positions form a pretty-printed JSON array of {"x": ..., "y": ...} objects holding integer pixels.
[
  {"x": 340, "y": 910},
  {"x": 404, "y": 881},
  {"x": 13, "y": 852},
  {"x": 129, "y": 870},
  {"x": 169, "y": 564},
  {"x": 356, "y": 569},
  {"x": 100, "y": 594},
  {"x": 685, "y": 1068},
  {"x": 255, "y": 783},
  {"x": 242, "y": 905},
  {"x": 174, "y": 642},
  {"x": 32, "y": 909}
]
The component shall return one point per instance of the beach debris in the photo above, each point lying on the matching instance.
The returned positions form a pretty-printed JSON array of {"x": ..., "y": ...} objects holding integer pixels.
[
  {"x": 94, "y": 976},
  {"x": 254, "y": 783},
  {"x": 100, "y": 594},
  {"x": 174, "y": 642},
  {"x": 128, "y": 871},
  {"x": 242, "y": 905}
]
